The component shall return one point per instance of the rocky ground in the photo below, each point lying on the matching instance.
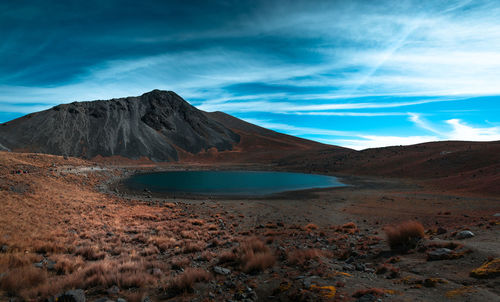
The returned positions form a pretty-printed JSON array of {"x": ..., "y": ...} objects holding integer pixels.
[{"x": 66, "y": 234}]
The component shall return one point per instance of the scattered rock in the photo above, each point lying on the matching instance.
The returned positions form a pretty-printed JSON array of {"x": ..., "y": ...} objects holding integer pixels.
[
  {"x": 465, "y": 234},
  {"x": 367, "y": 298},
  {"x": 75, "y": 295},
  {"x": 102, "y": 300},
  {"x": 113, "y": 290},
  {"x": 221, "y": 270},
  {"x": 50, "y": 264},
  {"x": 496, "y": 215},
  {"x": 310, "y": 280},
  {"x": 121, "y": 300},
  {"x": 146, "y": 299},
  {"x": 349, "y": 267},
  {"x": 4, "y": 248},
  {"x": 440, "y": 254}
]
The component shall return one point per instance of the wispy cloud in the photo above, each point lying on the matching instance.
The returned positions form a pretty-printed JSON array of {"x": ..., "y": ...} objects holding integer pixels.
[{"x": 318, "y": 62}]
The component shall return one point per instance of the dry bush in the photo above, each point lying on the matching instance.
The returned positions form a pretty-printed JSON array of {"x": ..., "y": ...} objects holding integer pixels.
[
  {"x": 227, "y": 256},
  {"x": 191, "y": 247},
  {"x": 22, "y": 278},
  {"x": 254, "y": 256},
  {"x": 386, "y": 267},
  {"x": 150, "y": 250},
  {"x": 206, "y": 256},
  {"x": 91, "y": 253},
  {"x": 17, "y": 260},
  {"x": 163, "y": 243},
  {"x": 349, "y": 225},
  {"x": 197, "y": 221},
  {"x": 66, "y": 264},
  {"x": 179, "y": 263},
  {"x": 47, "y": 247},
  {"x": 101, "y": 273},
  {"x": 185, "y": 281},
  {"x": 134, "y": 280},
  {"x": 255, "y": 262},
  {"x": 404, "y": 236},
  {"x": 301, "y": 257},
  {"x": 212, "y": 227},
  {"x": 310, "y": 227}
]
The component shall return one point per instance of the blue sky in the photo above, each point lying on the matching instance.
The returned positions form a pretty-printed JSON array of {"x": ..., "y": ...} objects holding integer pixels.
[{"x": 358, "y": 74}]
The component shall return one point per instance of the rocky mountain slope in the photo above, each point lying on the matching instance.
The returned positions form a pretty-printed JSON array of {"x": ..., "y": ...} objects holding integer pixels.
[{"x": 156, "y": 125}]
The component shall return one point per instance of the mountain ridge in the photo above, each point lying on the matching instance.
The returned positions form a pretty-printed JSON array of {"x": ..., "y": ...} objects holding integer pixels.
[{"x": 152, "y": 125}]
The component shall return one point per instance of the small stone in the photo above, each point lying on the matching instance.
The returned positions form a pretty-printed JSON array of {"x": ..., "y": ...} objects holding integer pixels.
[
  {"x": 465, "y": 234},
  {"x": 39, "y": 264},
  {"x": 146, "y": 299},
  {"x": 440, "y": 254},
  {"x": 360, "y": 267},
  {"x": 348, "y": 267},
  {"x": 4, "y": 248},
  {"x": 367, "y": 298},
  {"x": 221, "y": 270},
  {"x": 103, "y": 300},
  {"x": 113, "y": 290},
  {"x": 50, "y": 264},
  {"x": 496, "y": 215},
  {"x": 75, "y": 295},
  {"x": 121, "y": 300}
]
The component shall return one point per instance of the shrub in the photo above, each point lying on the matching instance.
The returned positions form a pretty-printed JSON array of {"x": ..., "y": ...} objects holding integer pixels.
[
  {"x": 254, "y": 256},
  {"x": 90, "y": 253},
  {"x": 404, "y": 236},
  {"x": 257, "y": 262},
  {"x": 301, "y": 257},
  {"x": 311, "y": 226},
  {"x": 191, "y": 247},
  {"x": 22, "y": 278},
  {"x": 185, "y": 281}
]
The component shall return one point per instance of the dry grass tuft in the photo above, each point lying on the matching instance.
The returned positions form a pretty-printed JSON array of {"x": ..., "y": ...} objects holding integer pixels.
[
  {"x": 184, "y": 282},
  {"x": 22, "y": 278},
  {"x": 255, "y": 256},
  {"x": 302, "y": 257},
  {"x": 91, "y": 253},
  {"x": 310, "y": 227},
  {"x": 404, "y": 236},
  {"x": 192, "y": 247}
]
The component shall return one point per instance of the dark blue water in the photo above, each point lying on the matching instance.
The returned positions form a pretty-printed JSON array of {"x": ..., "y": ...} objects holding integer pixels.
[{"x": 229, "y": 182}]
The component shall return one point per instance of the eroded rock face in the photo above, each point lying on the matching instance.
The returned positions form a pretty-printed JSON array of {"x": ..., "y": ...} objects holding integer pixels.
[{"x": 152, "y": 125}]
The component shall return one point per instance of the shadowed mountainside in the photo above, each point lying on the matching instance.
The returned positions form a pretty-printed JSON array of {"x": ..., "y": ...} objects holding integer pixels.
[
  {"x": 458, "y": 165},
  {"x": 155, "y": 125},
  {"x": 159, "y": 125}
]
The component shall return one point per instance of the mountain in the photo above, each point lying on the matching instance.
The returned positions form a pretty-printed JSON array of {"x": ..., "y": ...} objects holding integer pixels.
[{"x": 157, "y": 125}]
